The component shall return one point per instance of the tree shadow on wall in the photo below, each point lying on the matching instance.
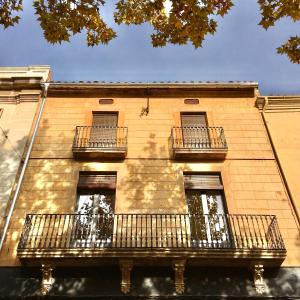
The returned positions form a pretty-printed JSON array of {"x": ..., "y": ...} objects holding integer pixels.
[
  {"x": 11, "y": 162},
  {"x": 153, "y": 183}
]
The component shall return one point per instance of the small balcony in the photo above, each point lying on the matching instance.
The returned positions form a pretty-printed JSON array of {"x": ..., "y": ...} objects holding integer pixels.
[
  {"x": 100, "y": 142},
  {"x": 217, "y": 239},
  {"x": 198, "y": 143}
]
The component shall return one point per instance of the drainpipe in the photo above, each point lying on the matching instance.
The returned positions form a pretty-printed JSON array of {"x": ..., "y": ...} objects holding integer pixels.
[
  {"x": 16, "y": 194},
  {"x": 294, "y": 206}
]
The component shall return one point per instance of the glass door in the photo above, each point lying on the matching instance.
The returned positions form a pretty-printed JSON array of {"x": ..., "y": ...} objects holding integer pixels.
[
  {"x": 207, "y": 218},
  {"x": 94, "y": 224}
]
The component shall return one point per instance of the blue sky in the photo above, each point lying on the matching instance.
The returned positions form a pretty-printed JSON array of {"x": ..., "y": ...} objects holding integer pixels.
[{"x": 240, "y": 50}]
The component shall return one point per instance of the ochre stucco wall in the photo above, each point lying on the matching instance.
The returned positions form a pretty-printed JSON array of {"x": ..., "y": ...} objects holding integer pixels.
[
  {"x": 284, "y": 128},
  {"x": 148, "y": 180},
  {"x": 16, "y": 121}
]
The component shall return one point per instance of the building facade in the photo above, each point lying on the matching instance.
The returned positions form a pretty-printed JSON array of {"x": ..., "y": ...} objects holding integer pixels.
[
  {"x": 281, "y": 115},
  {"x": 152, "y": 190},
  {"x": 19, "y": 97}
]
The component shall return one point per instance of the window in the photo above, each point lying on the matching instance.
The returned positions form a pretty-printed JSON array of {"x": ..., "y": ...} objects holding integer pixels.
[
  {"x": 109, "y": 119},
  {"x": 95, "y": 208},
  {"x": 104, "y": 130},
  {"x": 204, "y": 197},
  {"x": 193, "y": 120},
  {"x": 194, "y": 130}
]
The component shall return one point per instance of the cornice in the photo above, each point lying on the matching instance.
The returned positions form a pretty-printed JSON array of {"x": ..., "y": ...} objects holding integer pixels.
[
  {"x": 20, "y": 97},
  {"x": 152, "y": 89},
  {"x": 40, "y": 71},
  {"x": 19, "y": 83},
  {"x": 149, "y": 85},
  {"x": 278, "y": 103}
]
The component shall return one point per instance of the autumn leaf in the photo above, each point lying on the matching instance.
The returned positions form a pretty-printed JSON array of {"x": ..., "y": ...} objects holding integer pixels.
[
  {"x": 8, "y": 9},
  {"x": 274, "y": 10},
  {"x": 173, "y": 21}
]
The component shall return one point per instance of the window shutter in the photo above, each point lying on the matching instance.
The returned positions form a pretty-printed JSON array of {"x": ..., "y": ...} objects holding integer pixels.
[
  {"x": 105, "y": 119},
  {"x": 203, "y": 181},
  {"x": 97, "y": 181},
  {"x": 192, "y": 120}
]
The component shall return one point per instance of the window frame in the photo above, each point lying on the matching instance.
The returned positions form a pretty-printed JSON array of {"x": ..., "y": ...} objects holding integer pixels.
[{"x": 201, "y": 192}]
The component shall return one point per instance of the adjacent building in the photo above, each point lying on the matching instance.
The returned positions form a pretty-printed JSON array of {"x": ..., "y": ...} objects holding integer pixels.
[
  {"x": 19, "y": 97},
  {"x": 167, "y": 190},
  {"x": 281, "y": 115}
]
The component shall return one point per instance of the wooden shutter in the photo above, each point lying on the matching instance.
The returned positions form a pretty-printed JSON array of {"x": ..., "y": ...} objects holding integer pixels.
[
  {"x": 191, "y": 120},
  {"x": 97, "y": 181},
  {"x": 202, "y": 181},
  {"x": 105, "y": 119}
]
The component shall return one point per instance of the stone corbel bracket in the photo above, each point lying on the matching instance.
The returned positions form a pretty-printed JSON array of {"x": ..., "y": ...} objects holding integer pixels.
[
  {"x": 126, "y": 267},
  {"x": 47, "y": 279},
  {"x": 179, "y": 267},
  {"x": 258, "y": 280}
]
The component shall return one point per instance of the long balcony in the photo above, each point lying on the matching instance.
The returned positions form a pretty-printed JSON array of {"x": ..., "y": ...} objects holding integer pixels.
[
  {"x": 100, "y": 142},
  {"x": 198, "y": 142},
  {"x": 219, "y": 238}
]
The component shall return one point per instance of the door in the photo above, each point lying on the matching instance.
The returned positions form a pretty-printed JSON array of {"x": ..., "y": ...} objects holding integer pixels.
[
  {"x": 104, "y": 130},
  {"x": 94, "y": 226},
  {"x": 95, "y": 210},
  {"x": 194, "y": 130},
  {"x": 205, "y": 201},
  {"x": 207, "y": 218}
]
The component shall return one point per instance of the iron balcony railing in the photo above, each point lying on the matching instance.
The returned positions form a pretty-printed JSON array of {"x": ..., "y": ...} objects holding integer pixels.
[
  {"x": 150, "y": 231},
  {"x": 198, "y": 138},
  {"x": 95, "y": 137}
]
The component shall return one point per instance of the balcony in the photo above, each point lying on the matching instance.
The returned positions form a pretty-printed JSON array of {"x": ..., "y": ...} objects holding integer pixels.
[
  {"x": 100, "y": 142},
  {"x": 198, "y": 142},
  {"x": 204, "y": 239}
]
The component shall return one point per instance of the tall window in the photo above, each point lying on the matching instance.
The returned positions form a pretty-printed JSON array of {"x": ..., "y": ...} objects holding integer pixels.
[
  {"x": 194, "y": 130},
  {"x": 104, "y": 129},
  {"x": 204, "y": 197},
  {"x": 95, "y": 208}
]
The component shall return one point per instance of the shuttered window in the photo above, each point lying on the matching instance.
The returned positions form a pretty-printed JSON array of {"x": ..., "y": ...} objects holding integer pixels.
[
  {"x": 97, "y": 181},
  {"x": 192, "y": 120},
  {"x": 105, "y": 119},
  {"x": 203, "y": 182}
]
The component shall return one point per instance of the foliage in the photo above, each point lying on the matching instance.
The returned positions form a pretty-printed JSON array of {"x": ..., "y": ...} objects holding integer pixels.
[
  {"x": 7, "y": 8},
  {"x": 187, "y": 20},
  {"x": 62, "y": 18},
  {"x": 292, "y": 49},
  {"x": 274, "y": 10},
  {"x": 184, "y": 21}
]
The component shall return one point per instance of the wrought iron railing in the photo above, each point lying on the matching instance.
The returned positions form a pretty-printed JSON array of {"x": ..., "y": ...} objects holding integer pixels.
[
  {"x": 95, "y": 137},
  {"x": 150, "y": 231},
  {"x": 194, "y": 137}
]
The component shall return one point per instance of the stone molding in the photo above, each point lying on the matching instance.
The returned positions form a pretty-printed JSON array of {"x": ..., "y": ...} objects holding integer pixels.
[
  {"x": 179, "y": 267},
  {"x": 19, "y": 97},
  {"x": 126, "y": 267},
  {"x": 47, "y": 279},
  {"x": 41, "y": 71},
  {"x": 278, "y": 103}
]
